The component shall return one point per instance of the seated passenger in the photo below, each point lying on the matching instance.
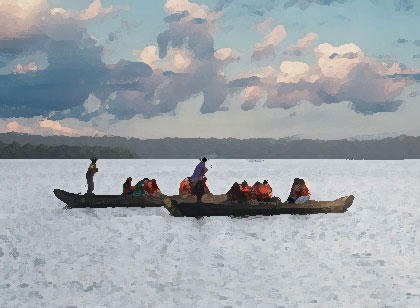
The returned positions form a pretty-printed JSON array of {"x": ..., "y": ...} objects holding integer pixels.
[
  {"x": 184, "y": 187},
  {"x": 302, "y": 192},
  {"x": 152, "y": 189},
  {"x": 255, "y": 190},
  {"x": 127, "y": 188},
  {"x": 292, "y": 196},
  {"x": 245, "y": 191},
  {"x": 299, "y": 192},
  {"x": 140, "y": 188},
  {"x": 265, "y": 191},
  {"x": 234, "y": 193}
]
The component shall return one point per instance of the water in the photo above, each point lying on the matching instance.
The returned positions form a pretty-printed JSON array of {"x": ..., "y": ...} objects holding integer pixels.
[{"x": 367, "y": 257}]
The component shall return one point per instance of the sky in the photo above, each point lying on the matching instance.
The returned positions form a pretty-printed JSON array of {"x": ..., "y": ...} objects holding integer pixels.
[{"x": 319, "y": 69}]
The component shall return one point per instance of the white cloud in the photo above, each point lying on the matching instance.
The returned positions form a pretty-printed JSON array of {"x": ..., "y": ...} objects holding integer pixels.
[
  {"x": 307, "y": 40},
  {"x": 95, "y": 9},
  {"x": 45, "y": 127},
  {"x": 226, "y": 54},
  {"x": 92, "y": 103},
  {"x": 337, "y": 62},
  {"x": 293, "y": 72},
  {"x": 23, "y": 69},
  {"x": 271, "y": 40},
  {"x": 194, "y": 10}
]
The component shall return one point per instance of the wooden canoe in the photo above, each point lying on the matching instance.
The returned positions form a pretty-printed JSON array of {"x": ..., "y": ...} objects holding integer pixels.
[
  {"x": 182, "y": 207},
  {"x": 103, "y": 201}
]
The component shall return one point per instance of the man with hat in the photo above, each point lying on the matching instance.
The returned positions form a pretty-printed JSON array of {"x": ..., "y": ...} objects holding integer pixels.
[
  {"x": 197, "y": 181},
  {"x": 89, "y": 175}
]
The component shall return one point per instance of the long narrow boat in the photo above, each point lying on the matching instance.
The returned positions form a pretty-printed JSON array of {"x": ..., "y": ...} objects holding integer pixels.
[
  {"x": 181, "y": 207},
  {"x": 102, "y": 201}
]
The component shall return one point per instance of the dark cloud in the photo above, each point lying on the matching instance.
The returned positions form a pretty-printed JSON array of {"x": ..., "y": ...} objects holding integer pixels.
[
  {"x": 73, "y": 73},
  {"x": 245, "y": 82},
  {"x": 176, "y": 17},
  {"x": 403, "y": 5},
  {"x": 416, "y": 56},
  {"x": 402, "y": 41}
]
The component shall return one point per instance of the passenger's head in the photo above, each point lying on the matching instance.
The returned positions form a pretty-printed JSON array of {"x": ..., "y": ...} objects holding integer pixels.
[
  {"x": 244, "y": 183},
  {"x": 265, "y": 182},
  {"x": 204, "y": 159},
  {"x": 129, "y": 179},
  {"x": 296, "y": 181}
]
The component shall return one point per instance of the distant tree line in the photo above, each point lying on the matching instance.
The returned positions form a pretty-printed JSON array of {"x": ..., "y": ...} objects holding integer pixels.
[
  {"x": 15, "y": 150},
  {"x": 402, "y": 147}
]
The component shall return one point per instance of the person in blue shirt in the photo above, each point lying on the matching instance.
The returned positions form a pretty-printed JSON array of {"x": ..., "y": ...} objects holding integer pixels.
[{"x": 197, "y": 179}]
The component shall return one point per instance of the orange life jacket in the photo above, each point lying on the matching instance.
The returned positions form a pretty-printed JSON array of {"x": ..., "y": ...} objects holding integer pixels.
[
  {"x": 265, "y": 192},
  {"x": 299, "y": 191},
  {"x": 246, "y": 191},
  {"x": 184, "y": 187}
]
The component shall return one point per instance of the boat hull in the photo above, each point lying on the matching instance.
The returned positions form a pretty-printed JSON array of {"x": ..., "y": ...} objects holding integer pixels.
[
  {"x": 180, "y": 208},
  {"x": 103, "y": 201}
]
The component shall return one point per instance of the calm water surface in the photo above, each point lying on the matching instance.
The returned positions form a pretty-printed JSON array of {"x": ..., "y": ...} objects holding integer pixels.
[{"x": 367, "y": 257}]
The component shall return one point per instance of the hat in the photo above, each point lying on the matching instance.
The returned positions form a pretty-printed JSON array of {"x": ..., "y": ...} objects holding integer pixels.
[{"x": 93, "y": 159}]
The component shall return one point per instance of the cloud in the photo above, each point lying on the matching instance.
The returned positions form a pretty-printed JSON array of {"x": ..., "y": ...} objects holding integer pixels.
[
  {"x": 303, "y": 45},
  {"x": 51, "y": 65},
  {"x": 306, "y": 42},
  {"x": 14, "y": 126},
  {"x": 327, "y": 121},
  {"x": 45, "y": 127},
  {"x": 95, "y": 9},
  {"x": 265, "y": 26},
  {"x": 342, "y": 73},
  {"x": 267, "y": 47},
  {"x": 402, "y": 41}
]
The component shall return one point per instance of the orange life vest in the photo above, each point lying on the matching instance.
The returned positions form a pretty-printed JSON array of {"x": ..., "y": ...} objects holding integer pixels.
[
  {"x": 184, "y": 187},
  {"x": 246, "y": 191}
]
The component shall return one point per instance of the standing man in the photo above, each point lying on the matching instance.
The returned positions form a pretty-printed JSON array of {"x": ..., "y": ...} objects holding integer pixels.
[
  {"x": 196, "y": 180},
  {"x": 89, "y": 175}
]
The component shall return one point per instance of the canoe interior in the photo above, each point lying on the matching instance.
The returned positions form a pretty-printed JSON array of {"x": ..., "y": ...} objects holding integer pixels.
[
  {"x": 103, "y": 201},
  {"x": 180, "y": 207}
]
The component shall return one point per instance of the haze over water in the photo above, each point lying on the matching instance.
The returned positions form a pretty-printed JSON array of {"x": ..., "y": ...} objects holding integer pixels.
[{"x": 366, "y": 257}]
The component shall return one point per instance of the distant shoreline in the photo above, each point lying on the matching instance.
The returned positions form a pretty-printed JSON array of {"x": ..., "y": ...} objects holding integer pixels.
[{"x": 14, "y": 145}]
